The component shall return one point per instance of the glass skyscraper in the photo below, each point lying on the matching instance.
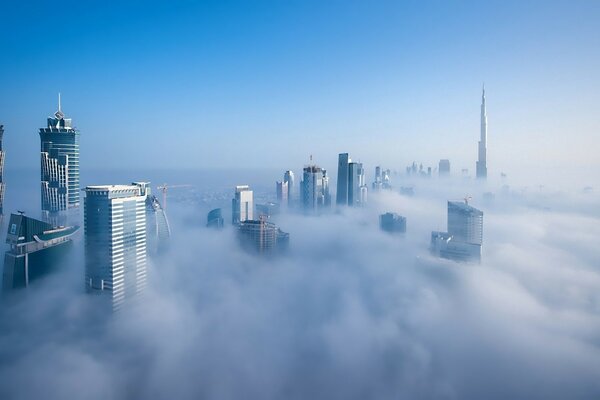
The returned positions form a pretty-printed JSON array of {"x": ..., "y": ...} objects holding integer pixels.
[
  {"x": 60, "y": 163},
  {"x": 1, "y": 171},
  {"x": 342, "y": 179},
  {"x": 315, "y": 188},
  {"x": 115, "y": 241}
]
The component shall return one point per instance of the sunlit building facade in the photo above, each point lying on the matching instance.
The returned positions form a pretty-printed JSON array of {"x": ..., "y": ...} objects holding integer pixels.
[{"x": 242, "y": 205}]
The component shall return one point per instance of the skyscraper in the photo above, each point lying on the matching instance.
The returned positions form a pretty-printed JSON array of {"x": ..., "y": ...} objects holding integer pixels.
[
  {"x": 242, "y": 205},
  {"x": 392, "y": 222},
  {"x": 282, "y": 191},
  {"x": 262, "y": 237},
  {"x": 357, "y": 190},
  {"x": 481, "y": 165},
  {"x": 36, "y": 249},
  {"x": 315, "y": 188},
  {"x": 444, "y": 168},
  {"x": 1, "y": 172},
  {"x": 464, "y": 238},
  {"x": 215, "y": 219},
  {"x": 60, "y": 163},
  {"x": 378, "y": 183},
  {"x": 288, "y": 177},
  {"x": 115, "y": 241},
  {"x": 342, "y": 179}
]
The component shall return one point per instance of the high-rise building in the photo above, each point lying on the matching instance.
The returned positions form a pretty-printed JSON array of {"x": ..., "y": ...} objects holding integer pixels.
[
  {"x": 481, "y": 165},
  {"x": 36, "y": 249},
  {"x": 378, "y": 183},
  {"x": 392, "y": 222},
  {"x": 444, "y": 168},
  {"x": 282, "y": 191},
  {"x": 288, "y": 177},
  {"x": 242, "y": 205},
  {"x": 215, "y": 219},
  {"x": 262, "y": 237},
  {"x": 464, "y": 238},
  {"x": 357, "y": 190},
  {"x": 60, "y": 163},
  {"x": 315, "y": 188},
  {"x": 158, "y": 232},
  {"x": 115, "y": 241},
  {"x": 1, "y": 171},
  {"x": 342, "y": 179}
]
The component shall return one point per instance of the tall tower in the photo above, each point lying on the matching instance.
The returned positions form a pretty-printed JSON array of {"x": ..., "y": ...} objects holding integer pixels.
[
  {"x": 242, "y": 205},
  {"x": 60, "y": 163},
  {"x": 115, "y": 241},
  {"x": 342, "y": 179},
  {"x": 1, "y": 172},
  {"x": 481, "y": 166}
]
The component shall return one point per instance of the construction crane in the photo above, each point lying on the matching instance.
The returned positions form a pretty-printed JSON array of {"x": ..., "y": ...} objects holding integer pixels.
[{"x": 164, "y": 187}]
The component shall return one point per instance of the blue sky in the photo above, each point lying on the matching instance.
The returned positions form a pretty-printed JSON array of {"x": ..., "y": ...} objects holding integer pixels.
[{"x": 265, "y": 84}]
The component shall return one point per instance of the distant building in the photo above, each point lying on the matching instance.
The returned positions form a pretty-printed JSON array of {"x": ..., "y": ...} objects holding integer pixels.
[
  {"x": 36, "y": 248},
  {"x": 262, "y": 237},
  {"x": 392, "y": 222},
  {"x": 464, "y": 238},
  {"x": 215, "y": 219},
  {"x": 444, "y": 168},
  {"x": 158, "y": 232},
  {"x": 115, "y": 241},
  {"x": 242, "y": 205},
  {"x": 378, "y": 183},
  {"x": 357, "y": 190},
  {"x": 60, "y": 163},
  {"x": 315, "y": 189},
  {"x": 282, "y": 191},
  {"x": 481, "y": 165},
  {"x": 288, "y": 177},
  {"x": 1, "y": 171},
  {"x": 267, "y": 209},
  {"x": 407, "y": 191},
  {"x": 342, "y": 179}
]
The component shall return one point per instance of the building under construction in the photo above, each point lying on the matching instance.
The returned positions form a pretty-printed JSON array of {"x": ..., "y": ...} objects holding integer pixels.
[{"x": 262, "y": 237}]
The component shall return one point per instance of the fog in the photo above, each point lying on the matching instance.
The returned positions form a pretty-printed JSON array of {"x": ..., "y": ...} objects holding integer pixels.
[{"x": 349, "y": 312}]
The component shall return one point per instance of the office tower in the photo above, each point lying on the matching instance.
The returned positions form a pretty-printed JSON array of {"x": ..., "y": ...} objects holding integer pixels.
[
  {"x": 282, "y": 193},
  {"x": 315, "y": 188},
  {"x": 378, "y": 183},
  {"x": 267, "y": 210},
  {"x": 60, "y": 163},
  {"x": 242, "y": 205},
  {"x": 115, "y": 241},
  {"x": 36, "y": 249},
  {"x": 392, "y": 222},
  {"x": 342, "y": 179},
  {"x": 444, "y": 168},
  {"x": 215, "y": 219},
  {"x": 356, "y": 184},
  {"x": 158, "y": 232},
  {"x": 288, "y": 177},
  {"x": 481, "y": 165},
  {"x": 386, "y": 179},
  {"x": 1, "y": 172},
  {"x": 464, "y": 238},
  {"x": 262, "y": 237}
]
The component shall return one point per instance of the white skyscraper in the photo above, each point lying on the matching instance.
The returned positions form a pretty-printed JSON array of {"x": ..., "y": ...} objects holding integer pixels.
[
  {"x": 242, "y": 205},
  {"x": 115, "y": 241},
  {"x": 288, "y": 177},
  {"x": 481, "y": 166}
]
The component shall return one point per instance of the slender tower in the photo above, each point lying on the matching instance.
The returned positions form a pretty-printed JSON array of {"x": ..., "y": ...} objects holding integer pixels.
[
  {"x": 60, "y": 163},
  {"x": 481, "y": 165}
]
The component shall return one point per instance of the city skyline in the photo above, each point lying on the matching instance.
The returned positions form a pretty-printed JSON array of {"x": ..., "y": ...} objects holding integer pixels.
[{"x": 391, "y": 91}]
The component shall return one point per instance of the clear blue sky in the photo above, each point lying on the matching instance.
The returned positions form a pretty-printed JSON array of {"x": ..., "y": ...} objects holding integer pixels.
[{"x": 241, "y": 83}]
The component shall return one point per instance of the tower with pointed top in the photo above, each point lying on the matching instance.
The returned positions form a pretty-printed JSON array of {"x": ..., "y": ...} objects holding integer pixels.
[
  {"x": 481, "y": 166},
  {"x": 59, "y": 163}
]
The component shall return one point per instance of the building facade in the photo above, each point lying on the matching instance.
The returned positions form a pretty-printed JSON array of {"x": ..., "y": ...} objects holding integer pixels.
[
  {"x": 242, "y": 205},
  {"x": 288, "y": 178},
  {"x": 1, "y": 171},
  {"x": 392, "y": 223},
  {"x": 36, "y": 249},
  {"x": 262, "y": 237},
  {"x": 115, "y": 241},
  {"x": 215, "y": 219},
  {"x": 282, "y": 190},
  {"x": 315, "y": 189},
  {"x": 59, "y": 163},
  {"x": 342, "y": 179},
  {"x": 357, "y": 190}
]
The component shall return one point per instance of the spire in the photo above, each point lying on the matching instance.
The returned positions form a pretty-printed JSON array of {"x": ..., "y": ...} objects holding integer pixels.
[{"x": 59, "y": 114}]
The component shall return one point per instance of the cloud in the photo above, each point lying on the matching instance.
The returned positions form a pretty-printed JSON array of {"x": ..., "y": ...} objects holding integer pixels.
[{"x": 350, "y": 312}]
